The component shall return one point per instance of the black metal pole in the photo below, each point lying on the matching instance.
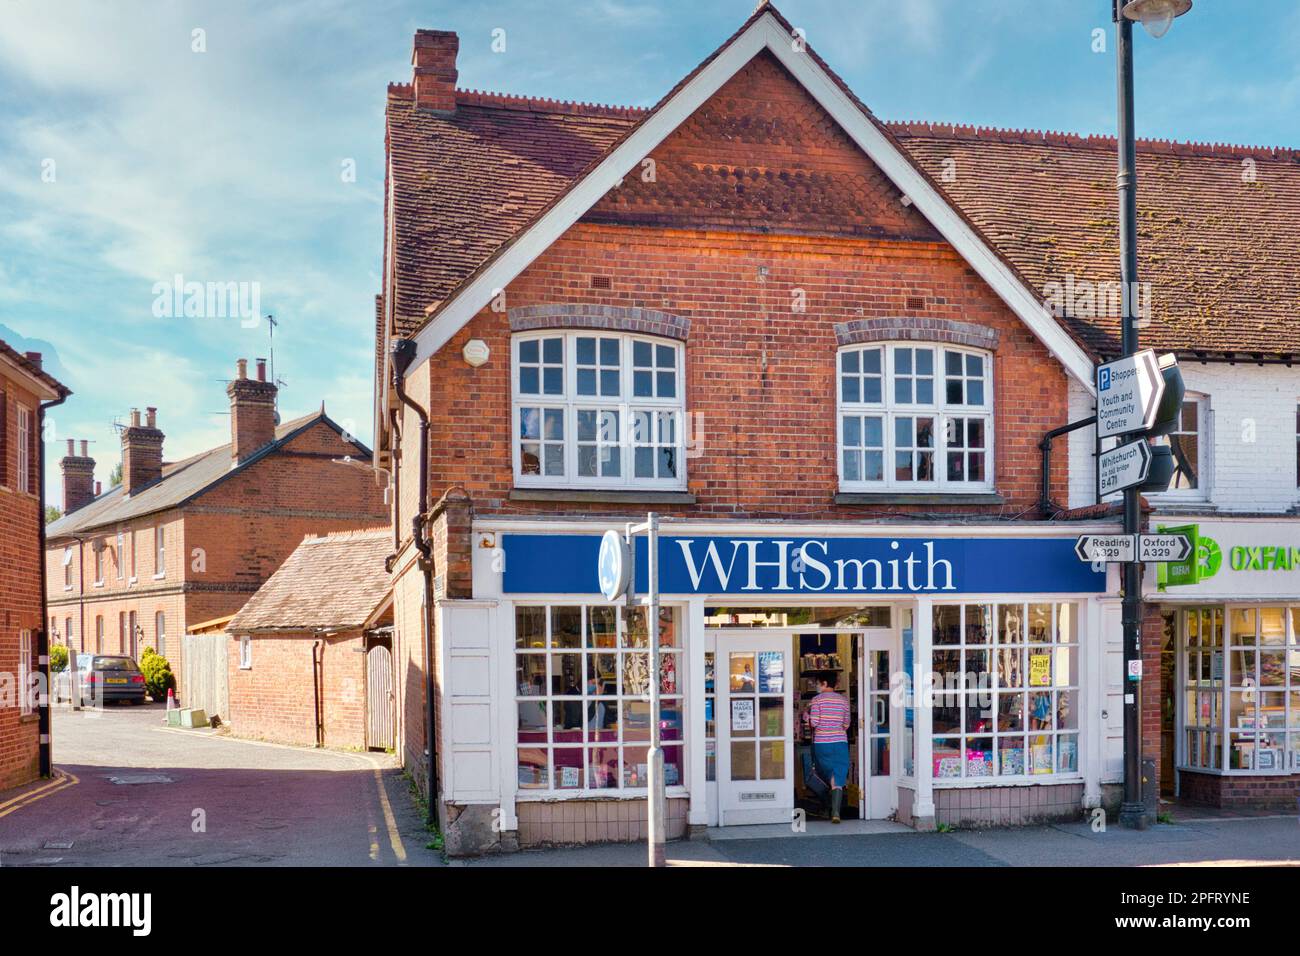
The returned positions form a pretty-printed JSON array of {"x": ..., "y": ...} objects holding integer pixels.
[{"x": 1132, "y": 811}]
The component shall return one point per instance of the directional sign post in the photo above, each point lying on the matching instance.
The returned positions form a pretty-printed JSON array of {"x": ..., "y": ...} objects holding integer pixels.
[
  {"x": 1110, "y": 548},
  {"x": 1128, "y": 394},
  {"x": 1164, "y": 547},
  {"x": 1123, "y": 467}
]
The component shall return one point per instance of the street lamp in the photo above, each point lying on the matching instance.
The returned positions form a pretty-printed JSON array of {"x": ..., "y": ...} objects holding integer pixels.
[{"x": 1156, "y": 16}]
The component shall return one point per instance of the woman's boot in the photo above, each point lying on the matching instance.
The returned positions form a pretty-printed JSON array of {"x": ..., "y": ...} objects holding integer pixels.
[{"x": 837, "y": 800}]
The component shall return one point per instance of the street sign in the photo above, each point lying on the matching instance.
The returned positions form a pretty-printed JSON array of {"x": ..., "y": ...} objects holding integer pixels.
[
  {"x": 1128, "y": 394},
  {"x": 1106, "y": 547},
  {"x": 1123, "y": 467},
  {"x": 1164, "y": 547},
  {"x": 613, "y": 565}
]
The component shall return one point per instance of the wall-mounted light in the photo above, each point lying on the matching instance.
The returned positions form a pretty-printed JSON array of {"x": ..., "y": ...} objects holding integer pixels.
[{"x": 475, "y": 353}]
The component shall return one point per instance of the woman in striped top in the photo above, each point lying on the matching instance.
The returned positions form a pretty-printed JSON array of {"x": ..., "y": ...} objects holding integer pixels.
[{"x": 829, "y": 717}]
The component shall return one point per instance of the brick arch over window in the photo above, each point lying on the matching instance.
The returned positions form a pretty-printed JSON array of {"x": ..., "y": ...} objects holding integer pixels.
[
  {"x": 612, "y": 318},
  {"x": 917, "y": 330}
]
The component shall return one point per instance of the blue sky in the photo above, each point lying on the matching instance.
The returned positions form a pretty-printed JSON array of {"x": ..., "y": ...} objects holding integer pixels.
[{"x": 128, "y": 157}]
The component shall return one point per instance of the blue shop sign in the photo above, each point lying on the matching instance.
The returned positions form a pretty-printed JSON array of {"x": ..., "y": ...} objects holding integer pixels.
[{"x": 740, "y": 564}]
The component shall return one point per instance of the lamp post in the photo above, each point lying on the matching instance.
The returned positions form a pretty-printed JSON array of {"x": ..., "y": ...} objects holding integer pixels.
[{"x": 1156, "y": 16}]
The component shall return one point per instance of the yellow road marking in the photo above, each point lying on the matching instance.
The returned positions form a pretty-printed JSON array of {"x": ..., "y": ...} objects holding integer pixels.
[
  {"x": 61, "y": 782},
  {"x": 394, "y": 838}
]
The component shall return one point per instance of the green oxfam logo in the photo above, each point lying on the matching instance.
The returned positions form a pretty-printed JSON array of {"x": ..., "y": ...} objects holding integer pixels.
[{"x": 1208, "y": 556}]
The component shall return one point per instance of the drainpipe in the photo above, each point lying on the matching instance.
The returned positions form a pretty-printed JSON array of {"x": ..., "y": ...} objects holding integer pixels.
[
  {"x": 315, "y": 690},
  {"x": 45, "y": 746},
  {"x": 1045, "y": 504},
  {"x": 395, "y": 483},
  {"x": 403, "y": 352}
]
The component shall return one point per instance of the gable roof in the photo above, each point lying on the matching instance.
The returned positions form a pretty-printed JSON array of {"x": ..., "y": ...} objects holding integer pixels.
[
  {"x": 44, "y": 384},
  {"x": 767, "y": 30},
  {"x": 329, "y": 583},
  {"x": 182, "y": 481}
]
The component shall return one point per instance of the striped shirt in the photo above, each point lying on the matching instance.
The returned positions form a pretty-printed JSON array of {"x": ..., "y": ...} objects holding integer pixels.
[{"x": 829, "y": 716}]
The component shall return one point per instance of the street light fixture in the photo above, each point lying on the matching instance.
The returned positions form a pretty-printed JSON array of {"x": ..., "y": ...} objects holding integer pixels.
[{"x": 1156, "y": 16}]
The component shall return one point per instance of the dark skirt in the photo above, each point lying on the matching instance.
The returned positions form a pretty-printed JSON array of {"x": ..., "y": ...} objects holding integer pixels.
[{"x": 832, "y": 762}]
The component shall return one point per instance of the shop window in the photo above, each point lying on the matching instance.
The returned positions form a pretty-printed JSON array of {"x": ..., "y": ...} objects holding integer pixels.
[
  {"x": 1241, "y": 689},
  {"x": 598, "y": 410},
  {"x": 915, "y": 418},
  {"x": 582, "y": 680},
  {"x": 1006, "y": 693},
  {"x": 710, "y": 718},
  {"x": 1189, "y": 445},
  {"x": 1297, "y": 445}
]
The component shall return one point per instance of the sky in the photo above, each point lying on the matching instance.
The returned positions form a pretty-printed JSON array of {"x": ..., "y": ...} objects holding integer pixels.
[{"x": 241, "y": 141}]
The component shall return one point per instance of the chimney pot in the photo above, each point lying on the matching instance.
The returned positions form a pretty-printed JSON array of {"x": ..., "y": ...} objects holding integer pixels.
[
  {"x": 151, "y": 417},
  {"x": 71, "y": 448},
  {"x": 261, "y": 370},
  {"x": 99, "y": 489},
  {"x": 85, "y": 452},
  {"x": 241, "y": 368},
  {"x": 135, "y": 418}
]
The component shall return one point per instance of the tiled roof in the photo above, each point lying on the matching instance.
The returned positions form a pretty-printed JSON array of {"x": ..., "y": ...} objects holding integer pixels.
[
  {"x": 329, "y": 583},
  {"x": 180, "y": 482},
  {"x": 1217, "y": 247}
]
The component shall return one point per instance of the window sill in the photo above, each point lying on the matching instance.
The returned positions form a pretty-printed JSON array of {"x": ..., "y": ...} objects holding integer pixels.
[
  {"x": 98, "y": 584},
  {"x": 926, "y": 498},
  {"x": 159, "y": 577},
  {"x": 602, "y": 496}
]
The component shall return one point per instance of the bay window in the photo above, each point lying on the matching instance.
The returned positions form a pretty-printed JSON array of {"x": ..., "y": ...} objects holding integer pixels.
[
  {"x": 582, "y": 685},
  {"x": 915, "y": 418},
  {"x": 598, "y": 409}
]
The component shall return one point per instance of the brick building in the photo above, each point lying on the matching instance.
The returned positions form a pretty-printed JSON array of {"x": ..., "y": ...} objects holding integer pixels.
[
  {"x": 303, "y": 645},
  {"x": 827, "y": 357},
  {"x": 25, "y": 392},
  {"x": 177, "y": 543}
]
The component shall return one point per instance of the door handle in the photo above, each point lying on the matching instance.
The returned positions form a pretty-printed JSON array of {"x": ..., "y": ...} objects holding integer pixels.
[{"x": 882, "y": 711}]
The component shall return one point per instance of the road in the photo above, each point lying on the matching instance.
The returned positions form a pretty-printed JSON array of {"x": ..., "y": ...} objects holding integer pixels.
[{"x": 146, "y": 794}]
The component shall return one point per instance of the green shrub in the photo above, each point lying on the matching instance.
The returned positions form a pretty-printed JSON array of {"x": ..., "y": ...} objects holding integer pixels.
[
  {"x": 158, "y": 677},
  {"x": 58, "y": 658}
]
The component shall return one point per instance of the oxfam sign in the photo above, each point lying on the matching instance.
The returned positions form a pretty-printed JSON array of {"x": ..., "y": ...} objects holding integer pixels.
[{"x": 1237, "y": 558}]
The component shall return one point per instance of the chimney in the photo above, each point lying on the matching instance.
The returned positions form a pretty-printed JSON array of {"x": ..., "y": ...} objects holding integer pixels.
[
  {"x": 34, "y": 358},
  {"x": 141, "y": 452},
  {"x": 434, "y": 60},
  {"x": 78, "y": 478},
  {"x": 252, "y": 411}
]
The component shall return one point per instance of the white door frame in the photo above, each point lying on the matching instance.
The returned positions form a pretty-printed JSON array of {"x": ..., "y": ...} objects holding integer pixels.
[
  {"x": 879, "y": 796},
  {"x": 735, "y": 805}
]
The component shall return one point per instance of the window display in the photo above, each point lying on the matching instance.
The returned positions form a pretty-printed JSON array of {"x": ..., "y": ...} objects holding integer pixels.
[
  {"x": 582, "y": 678},
  {"x": 1006, "y": 694}
]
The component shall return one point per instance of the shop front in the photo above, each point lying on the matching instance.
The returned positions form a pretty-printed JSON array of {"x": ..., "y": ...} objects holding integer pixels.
[
  {"x": 972, "y": 657},
  {"x": 1230, "y": 663}
]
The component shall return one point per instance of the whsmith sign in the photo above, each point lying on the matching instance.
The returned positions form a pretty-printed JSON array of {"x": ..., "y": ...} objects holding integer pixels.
[{"x": 742, "y": 564}]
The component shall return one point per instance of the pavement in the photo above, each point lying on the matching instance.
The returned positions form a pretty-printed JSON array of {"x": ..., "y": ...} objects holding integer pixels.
[{"x": 135, "y": 792}]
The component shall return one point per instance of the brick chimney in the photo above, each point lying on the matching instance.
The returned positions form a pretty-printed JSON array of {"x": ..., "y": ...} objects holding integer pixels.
[
  {"x": 252, "y": 411},
  {"x": 434, "y": 60},
  {"x": 78, "y": 478},
  {"x": 141, "y": 452}
]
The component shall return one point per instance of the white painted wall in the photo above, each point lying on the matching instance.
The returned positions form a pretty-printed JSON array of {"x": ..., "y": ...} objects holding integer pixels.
[{"x": 1251, "y": 440}]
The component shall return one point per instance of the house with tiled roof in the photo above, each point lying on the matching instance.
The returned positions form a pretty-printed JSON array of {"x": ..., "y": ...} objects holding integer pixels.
[
  {"x": 310, "y": 653},
  {"x": 176, "y": 543},
  {"x": 26, "y": 392},
  {"x": 825, "y": 350}
]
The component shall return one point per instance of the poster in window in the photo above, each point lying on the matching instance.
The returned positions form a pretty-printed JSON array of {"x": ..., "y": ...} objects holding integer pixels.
[
  {"x": 742, "y": 715},
  {"x": 771, "y": 672},
  {"x": 1040, "y": 670},
  {"x": 1216, "y": 666}
]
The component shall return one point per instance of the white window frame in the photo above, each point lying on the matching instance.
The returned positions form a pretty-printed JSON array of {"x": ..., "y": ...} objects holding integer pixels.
[
  {"x": 119, "y": 555},
  {"x": 99, "y": 553},
  {"x": 245, "y": 653},
  {"x": 67, "y": 567},
  {"x": 25, "y": 691},
  {"x": 159, "y": 551},
  {"x": 624, "y": 403},
  {"x": 889, "y": 411},
  {"x": 160, "y": 632},
  {"x": 24, "y": 437},
  {"x": 1203, "y": 439}
]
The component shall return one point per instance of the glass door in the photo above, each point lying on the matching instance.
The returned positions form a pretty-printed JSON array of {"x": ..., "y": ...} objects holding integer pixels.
[
  {"x": 754, "y": 726},
  {"x": 878, "y": 722}
]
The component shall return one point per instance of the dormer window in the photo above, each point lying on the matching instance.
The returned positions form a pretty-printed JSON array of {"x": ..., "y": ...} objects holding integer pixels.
[
  {"x": 915, "y": 417},
  {"x": 599, "y": 410}
]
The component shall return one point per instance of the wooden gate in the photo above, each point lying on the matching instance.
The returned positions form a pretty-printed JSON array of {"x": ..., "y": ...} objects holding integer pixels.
[
  {"x": 379, "y": 698},
  {"x": 203, "y": 678}
]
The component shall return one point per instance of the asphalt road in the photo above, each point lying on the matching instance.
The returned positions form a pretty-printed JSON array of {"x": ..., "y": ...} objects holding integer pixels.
[{"x": 146, "y": 794}]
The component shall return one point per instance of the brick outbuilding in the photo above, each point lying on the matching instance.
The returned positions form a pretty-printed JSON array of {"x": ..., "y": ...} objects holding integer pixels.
[{"x": 301, "y": 649}]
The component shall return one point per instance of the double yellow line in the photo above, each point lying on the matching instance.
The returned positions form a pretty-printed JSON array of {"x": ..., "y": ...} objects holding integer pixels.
[{"x": 60, "y": 781}]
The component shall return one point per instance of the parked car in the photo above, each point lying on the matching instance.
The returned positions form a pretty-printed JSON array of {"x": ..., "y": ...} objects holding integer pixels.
[{"x": 102, "y": 677}]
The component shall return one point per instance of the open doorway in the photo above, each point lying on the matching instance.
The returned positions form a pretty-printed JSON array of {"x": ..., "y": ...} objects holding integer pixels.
[{"x": 834, "y": 657}]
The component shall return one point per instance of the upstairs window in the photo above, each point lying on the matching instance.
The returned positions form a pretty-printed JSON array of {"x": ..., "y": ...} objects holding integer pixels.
[
  {"x": 159, "y": 551},
  {"x": 24, "y": 443},
  {"x": 1189, "y": 446},
  {"x": 599, "y": 410},
  {"x": 915, "y": 418}
]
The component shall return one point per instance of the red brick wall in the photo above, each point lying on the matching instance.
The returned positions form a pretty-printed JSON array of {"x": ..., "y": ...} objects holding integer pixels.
[
  {"x": 1279, "y": 793},
  {"x": 20, "y": 594},
  {"x": 274, "y": 699},
  {"x": 768, "y": 435}
]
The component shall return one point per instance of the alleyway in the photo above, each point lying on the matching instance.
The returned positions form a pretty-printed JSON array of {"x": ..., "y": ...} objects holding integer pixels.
[{"x": 149, "y": 795}]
